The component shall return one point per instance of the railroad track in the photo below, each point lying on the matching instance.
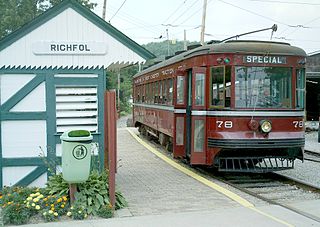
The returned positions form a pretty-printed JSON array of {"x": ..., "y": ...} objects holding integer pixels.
[
  {"x": 311, "y": 156},
  {"x": 272, "y": 188}
]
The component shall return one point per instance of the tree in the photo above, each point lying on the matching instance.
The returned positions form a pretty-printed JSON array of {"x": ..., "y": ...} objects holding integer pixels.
[
  {"x": 86, "y": 3},
  {"x": 16, "y": 13}
]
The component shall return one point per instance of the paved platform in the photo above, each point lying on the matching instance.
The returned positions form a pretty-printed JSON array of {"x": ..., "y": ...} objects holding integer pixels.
[
  {"x": 312, "y": 143},
  {"x": 161, "y": 195}
]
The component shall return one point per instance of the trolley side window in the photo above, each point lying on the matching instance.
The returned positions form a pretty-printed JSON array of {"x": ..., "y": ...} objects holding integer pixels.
[
  {"x": 300, "y": 89},
  {"x": 180, "y": 89},
  {"x": 170, "y": 91}
]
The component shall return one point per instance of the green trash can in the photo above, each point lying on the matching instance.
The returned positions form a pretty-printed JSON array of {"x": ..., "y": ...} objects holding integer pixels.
[{"x": 76, "y": 155}]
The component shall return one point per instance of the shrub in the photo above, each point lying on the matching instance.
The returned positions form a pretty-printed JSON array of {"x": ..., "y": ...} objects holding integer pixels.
[
  {"x": 105, "y": 211},
  {"x": 77, "y": 211},
  {"x": 15, "y": 213}
]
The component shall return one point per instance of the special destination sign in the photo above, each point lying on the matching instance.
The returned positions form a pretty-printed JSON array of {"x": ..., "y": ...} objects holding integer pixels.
[
  {"x": 264, "y": 59},
  {"x": 69, "y": 48}
]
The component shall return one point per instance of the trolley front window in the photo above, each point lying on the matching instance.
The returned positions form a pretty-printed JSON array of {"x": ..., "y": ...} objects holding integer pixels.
[{"x": 263, "y": 87}]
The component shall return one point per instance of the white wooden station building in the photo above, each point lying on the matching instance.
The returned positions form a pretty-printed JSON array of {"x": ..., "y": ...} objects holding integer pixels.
[{"x": 52, "y": 79}]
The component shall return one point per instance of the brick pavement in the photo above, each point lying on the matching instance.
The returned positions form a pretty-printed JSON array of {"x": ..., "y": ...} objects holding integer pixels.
[{"x": 152, "y": 187}]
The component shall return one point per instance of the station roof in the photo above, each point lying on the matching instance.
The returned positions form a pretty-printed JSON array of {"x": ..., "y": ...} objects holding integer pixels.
[{"x": 69, "y": 22}]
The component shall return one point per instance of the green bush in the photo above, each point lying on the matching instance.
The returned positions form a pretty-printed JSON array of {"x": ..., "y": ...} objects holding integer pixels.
[
  {"x": 105, "y": 211},
  {"x": 77, "y": 211},
  {"x": 15, "y": 213}
]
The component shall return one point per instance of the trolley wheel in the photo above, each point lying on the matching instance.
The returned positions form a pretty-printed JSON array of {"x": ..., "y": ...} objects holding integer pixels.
[
  {"x": 143, "y": 131},
  {"x": 163, "y": 139}
]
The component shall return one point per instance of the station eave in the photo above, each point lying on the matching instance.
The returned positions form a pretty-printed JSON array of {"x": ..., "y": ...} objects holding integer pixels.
[{"x": 85, "y": 12}]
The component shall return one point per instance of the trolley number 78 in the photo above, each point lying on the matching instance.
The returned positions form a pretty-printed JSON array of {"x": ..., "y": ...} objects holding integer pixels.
[{"x": 224, "y": 124}]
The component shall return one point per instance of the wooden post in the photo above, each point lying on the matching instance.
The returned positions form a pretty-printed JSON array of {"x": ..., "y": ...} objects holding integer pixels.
[
  {"x": 110, "y": 140},
  {"x": 72, "y": 191}
]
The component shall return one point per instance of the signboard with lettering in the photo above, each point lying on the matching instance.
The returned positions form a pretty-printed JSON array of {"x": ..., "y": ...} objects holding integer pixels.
[
  {"x": 265, "y": 59},
  {"x": 69, "y": 48}
]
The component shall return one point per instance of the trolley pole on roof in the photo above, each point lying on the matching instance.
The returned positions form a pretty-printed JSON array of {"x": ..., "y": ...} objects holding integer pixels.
[
  {"x": 104, "y": 9},
  {"x": 184, "y": 39},
  {"x": 203, "y": 21},
  {"x": 168, "y": 42}
]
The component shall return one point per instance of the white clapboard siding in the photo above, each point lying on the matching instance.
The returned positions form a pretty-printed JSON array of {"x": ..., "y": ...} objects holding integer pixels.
[
  {"x": 34, "y": 101},
  {"x": 23, "y": 138},
  {"x": 77, "y": 121},
  {"x": 76, "y": 90},
  {"x": 75, "y": 113},
  {"x": 12, "y": 175},
  {"x": 76, "y": 75},
  {"x": 40, "y": 181},
  {"x": 76, "y": 108},
  {"x": 11, "y": 83},
  {"x": 82, "y": 98},
  {"x": 67, "y": 26},
  {"x": 93, "y": 128}
]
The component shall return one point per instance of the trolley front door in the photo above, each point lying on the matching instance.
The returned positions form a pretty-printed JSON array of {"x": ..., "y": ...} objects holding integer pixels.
[
  {"x": 196, "y": 121},
  {"x": 188, "y": 113}
]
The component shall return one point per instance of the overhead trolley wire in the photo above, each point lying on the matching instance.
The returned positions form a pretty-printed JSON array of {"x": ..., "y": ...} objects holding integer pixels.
[
  {"x": 117, "y": 10},
  {"x": 249, "y": 11},
  {"x": 286, "y": 2},
  {"x": 183, "y": 13},
  {"x": 175, "y": 11}
]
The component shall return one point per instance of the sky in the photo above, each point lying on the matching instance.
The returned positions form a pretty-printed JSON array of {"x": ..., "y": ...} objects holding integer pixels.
[{"x": 146, "y": 21}]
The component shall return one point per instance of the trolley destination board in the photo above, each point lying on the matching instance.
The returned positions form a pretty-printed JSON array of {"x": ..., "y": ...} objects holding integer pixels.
[{"x": 259, "y": 59}]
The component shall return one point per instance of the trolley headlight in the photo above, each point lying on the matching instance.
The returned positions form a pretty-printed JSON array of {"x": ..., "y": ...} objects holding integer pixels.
[{"x": 265, "y": 126}]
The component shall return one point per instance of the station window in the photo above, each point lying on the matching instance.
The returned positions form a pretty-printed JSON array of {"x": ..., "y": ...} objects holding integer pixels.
[
  {"x": 180, "y": 89},
  {"x": 300, "y": 89}
]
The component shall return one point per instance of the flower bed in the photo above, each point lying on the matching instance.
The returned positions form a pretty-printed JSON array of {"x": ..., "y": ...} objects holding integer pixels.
[{"x": 19, "y": 204}]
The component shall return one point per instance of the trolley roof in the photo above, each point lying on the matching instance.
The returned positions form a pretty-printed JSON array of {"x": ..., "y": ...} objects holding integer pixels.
[{"x": 234, "y": 47}]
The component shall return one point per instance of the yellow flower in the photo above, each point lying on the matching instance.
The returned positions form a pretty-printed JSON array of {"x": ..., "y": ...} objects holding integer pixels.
[
  {"x": 52, "y": 205},
  {"x": 35, "y": 200},
  {"x": 37, "y": 207},
  {"x": 32, "y": 195},
  {"x": 10, "y": 203},
  {"x": 37, "y": 194},
  {"x": 29, "y": 198},
  {"x": 85, "y": 216},
  {"x": 52, "y": 208},
  {"x": 40, "y": 196},
  {"x": 69, "y": 214},
  {"x": 62, "y": 206},
  {"x": 59, "y": 200},
  {"x": 50, "y": 212},
  {"x": 0, "y": 196},
  {"x": 79, "y": 211},
  {"x": 33, "y": 204},
  {"x": 55, "y": 214},
  {"x": 71, "y": 208},
  {"x": 44, "y": 213},
  {"x": 65, "y": 198}
]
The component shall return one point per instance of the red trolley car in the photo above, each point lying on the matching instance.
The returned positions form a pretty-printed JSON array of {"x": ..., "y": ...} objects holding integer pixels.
[{"x": 238, "y": 105}]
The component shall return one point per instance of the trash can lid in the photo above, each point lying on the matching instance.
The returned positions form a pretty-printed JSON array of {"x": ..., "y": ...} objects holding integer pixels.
[{"x": 76, "y": 135}]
